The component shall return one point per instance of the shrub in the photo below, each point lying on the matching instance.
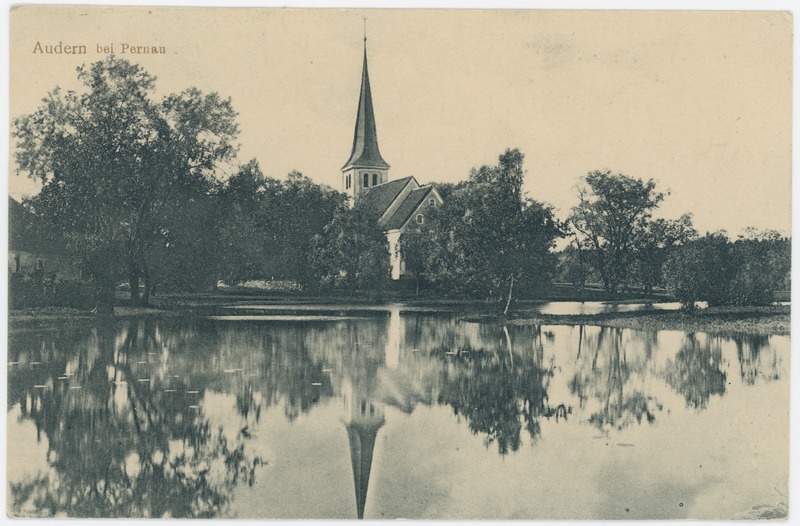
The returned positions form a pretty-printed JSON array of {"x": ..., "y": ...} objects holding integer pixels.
[{"x": 36, "y": 289}]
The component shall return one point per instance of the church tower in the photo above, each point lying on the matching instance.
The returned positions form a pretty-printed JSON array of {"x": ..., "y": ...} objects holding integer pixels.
[{"x": 365, "y": 168}]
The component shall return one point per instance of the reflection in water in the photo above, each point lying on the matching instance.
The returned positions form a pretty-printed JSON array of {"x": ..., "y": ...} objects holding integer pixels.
[
  {"x": 164, "y": 418},
  {"x": 497, "y": 395},
  {"x": 752, "y": 361},
  {"x": 695, "y": 373},
  {"x": 612, "y": 380},
  {"x": 125, "y": 439},
  {"x": 363, "y": 418}
]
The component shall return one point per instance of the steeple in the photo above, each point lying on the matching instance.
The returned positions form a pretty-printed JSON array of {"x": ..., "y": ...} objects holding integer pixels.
[{"x": 365, "y": 152}]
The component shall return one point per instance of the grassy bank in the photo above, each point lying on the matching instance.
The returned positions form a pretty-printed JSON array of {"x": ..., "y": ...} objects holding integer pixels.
[{"x": 760, "y": 320}]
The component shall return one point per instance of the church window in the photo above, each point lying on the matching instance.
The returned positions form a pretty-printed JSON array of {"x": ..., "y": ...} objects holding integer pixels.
[
  {"x": 347, "y": 182},
  {"x": 420, "y": 219},
  {"x": 432, "y": 201},
  {"x": 366, "y": 180},
  {"x": 374, "y": 179}
]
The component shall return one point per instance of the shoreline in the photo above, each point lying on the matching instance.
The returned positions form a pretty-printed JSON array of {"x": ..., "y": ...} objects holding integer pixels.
[
  {"x": 768, "y": 320},
  {"x": 774, "y": 319}
]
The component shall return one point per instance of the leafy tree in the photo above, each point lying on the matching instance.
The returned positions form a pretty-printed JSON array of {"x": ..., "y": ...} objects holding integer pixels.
[
  {"x": 488, "y": 235},
  {"x": 266, "y": 225},
  {"x": 713, "y": 269},
  {"x": 700, "y": 270},
  {"x": 351, "y": 253},
  {"x": 242, "y": 236},
  {"x": 763, "y": 264},
  {"x": 296, "y": 210},
  {"x": 654, "y": 243},
  {"x": 416, "y": 246},
  {"x": 572, "y": 266},
  {"x": 613, "y": 209},
  {"x": 115, "y": 164}
]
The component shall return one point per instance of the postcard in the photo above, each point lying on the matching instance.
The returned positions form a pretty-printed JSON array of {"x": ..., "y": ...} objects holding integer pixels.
[{"x": 452, "y": 264}]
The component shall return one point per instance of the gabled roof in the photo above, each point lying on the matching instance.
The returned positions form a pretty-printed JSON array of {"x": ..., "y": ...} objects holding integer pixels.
[
  {"x": 410, "y": 203},
  {"x": 378, "y": 198},
  {"x": 365, "y": 151}
]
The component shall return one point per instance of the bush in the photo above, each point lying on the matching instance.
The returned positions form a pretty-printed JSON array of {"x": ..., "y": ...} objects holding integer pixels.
[
  {"x": 37, "y": 289},
  {"x": 713, "y": 269}
]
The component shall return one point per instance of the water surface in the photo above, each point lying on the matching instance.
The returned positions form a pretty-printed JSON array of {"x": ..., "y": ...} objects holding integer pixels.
[{"x": 394, "y": 412}]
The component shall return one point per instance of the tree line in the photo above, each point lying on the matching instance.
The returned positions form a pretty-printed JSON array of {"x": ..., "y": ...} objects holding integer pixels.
[
  {"x": 616, "y": 242},
  {"x": 133, "y": 190}
]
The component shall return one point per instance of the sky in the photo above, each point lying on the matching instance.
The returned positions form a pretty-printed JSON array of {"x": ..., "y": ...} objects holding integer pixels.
[{"x": 698, "y": 101}]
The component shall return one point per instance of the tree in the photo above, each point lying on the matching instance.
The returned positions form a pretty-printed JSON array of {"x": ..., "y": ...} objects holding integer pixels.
[
  {"x": 351, "y": 253},
  {"x": 416, "y": 246},
  {"x": 115, "y": 165},
  {"x": 762, "y": 262},
  {"x": 700, "y": 270},
  {"x": 714, "y": 269},
  {"x": 266, "y": 225},
  {"x": 296, "y": 210},
  {"x": 242, "y": 236},
  {"x": 573, "y": 267},
  {"x": 613, "y": 208},
  {"x": 653, "y": 245},
  {"x": 488, "y": 235}
]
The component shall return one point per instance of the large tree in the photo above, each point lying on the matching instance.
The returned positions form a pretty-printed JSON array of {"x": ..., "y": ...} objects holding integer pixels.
[
  {"x": 701, "y": 270},
  {"x": 489, "y": 235},
  {"x": 351, "y": 253},
  {"x": 654, "y": 243},
  {"x": 720, "y": 272},
  {"x": 266, "y": 225},
  {"x": 613, "y": 209},
  {"x": 115, "y": 165},
  {"x": 296, "y": 210}
]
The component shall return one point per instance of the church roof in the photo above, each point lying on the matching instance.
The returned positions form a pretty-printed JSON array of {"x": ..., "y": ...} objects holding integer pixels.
[
  {"x": 410, "y": 203},
  {"x": 365, "y": 151},
  {"x": 378, "y": 198}
]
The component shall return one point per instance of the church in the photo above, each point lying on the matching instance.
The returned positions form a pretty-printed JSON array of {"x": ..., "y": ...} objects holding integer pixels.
[{"x": 365, "y": 180}]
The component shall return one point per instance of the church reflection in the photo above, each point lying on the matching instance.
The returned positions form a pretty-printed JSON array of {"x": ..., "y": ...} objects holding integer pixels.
[
  {"x": 362, "y": 419},
  {"x": 146, "y": 388},
  {"x": 406, "y": 360}
]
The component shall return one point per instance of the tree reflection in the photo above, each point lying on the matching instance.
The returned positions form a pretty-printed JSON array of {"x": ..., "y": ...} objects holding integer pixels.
[
  {"x": 121, "y": 445},
  {"x": 696, "y": 371},
  {"x": 603, "y": 381},
  {"x": 753, "y": 361},
  {"x": 497, "y": 394},
  {"x": 289, "y": 374}
]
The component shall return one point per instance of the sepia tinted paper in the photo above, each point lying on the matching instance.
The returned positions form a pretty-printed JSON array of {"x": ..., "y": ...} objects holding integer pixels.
[{"x": 700, "y": 101}]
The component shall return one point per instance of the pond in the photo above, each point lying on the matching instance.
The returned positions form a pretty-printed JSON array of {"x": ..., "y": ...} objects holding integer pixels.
[{"x": 394, "y": 413}]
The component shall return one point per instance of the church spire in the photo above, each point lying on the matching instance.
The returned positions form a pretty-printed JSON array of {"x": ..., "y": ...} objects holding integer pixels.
[{"x": 365, "y": 152}]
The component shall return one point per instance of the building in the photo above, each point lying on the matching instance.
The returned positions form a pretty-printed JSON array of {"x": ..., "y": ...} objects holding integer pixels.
[
  {"x": 365, "y": 179},
  {"x": 30, "y": 250}
]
